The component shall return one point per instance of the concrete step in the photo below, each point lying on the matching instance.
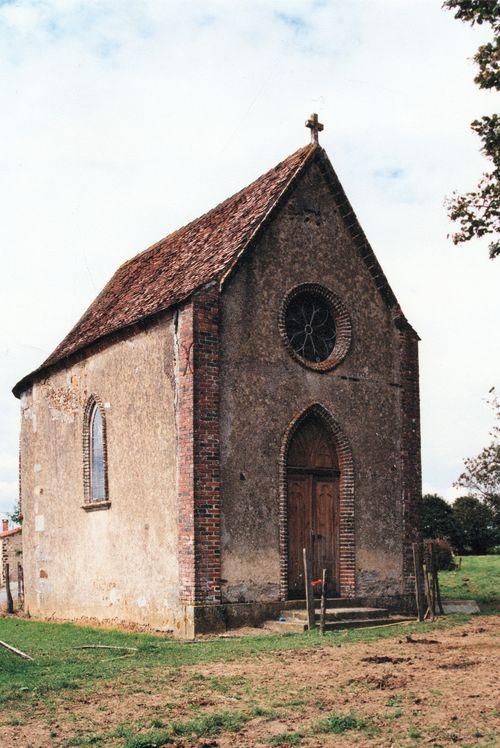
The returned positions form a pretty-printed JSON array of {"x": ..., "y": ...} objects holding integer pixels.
[
  {"x": 356, "y": 623},
  {"x": 334, "y": 614},
  {"x": 286, "y": 627},
  {"x": 331, "y": 602},
  {"x": 296, "y": 626}
]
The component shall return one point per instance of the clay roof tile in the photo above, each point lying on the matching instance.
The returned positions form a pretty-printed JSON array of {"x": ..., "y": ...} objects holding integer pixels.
[{"x": 169, "y": 271}]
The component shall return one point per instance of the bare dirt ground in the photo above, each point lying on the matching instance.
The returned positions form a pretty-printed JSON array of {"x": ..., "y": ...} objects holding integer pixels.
[{"x": 438, "y": 689}]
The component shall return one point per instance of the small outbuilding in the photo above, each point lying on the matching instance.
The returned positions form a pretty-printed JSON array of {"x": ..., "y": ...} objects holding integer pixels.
[{"x": 11, "y": 552}]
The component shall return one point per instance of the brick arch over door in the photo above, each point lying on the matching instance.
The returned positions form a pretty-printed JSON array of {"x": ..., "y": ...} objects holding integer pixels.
[{"x": 347, "y": 561}]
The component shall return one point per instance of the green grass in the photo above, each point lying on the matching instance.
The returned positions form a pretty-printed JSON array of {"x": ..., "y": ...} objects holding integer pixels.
[
  {"x": 414, "y": 733},
  {"x": 477, "y": 579},
  {"x": 339, "y": 723},
  {"x": 134, "y": 736},
  {"x": 210, "y": 725},
  {"x": 59, "y": 665},
  {"x": 286, "y": 739},
  {"x": 151, "y": 739}
]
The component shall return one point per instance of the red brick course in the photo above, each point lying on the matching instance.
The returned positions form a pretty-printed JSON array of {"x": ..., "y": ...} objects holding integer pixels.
[{"x": 199, "y": 482}]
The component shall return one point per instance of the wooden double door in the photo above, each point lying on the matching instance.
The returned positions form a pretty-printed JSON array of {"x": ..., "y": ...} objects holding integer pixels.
[{"x": 313, "y": 500}]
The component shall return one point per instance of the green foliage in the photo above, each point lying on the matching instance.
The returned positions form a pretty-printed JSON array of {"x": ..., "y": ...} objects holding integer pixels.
[
  {"x": 475, "y": 524},
  {"x": 339, "y": 723},
  {"x": 477, "y": 212},
  {"x": 436, "y": 517},
  {"x": 481, "y": 476},
  {"x": 16, "y": 515},
  {"x": 477, "y": 579}
]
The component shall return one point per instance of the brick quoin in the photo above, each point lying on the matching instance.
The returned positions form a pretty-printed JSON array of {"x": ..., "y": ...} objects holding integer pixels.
[
  {"x": 199, "y": 483},
  {"x": 410, "y": 448}
]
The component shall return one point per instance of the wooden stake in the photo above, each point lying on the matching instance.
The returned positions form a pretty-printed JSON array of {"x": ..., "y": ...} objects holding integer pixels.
[
  {"x": 15, "y": 651},
  {"x": 435, "y": 574},
  {"x": 324, "y": 595},
  {"x": 10, "y": 601},
  {"x": 311, "y": 617},
  {"x": 429, "y": 612},
  {"x": 419, "y": 580},
  {"x": 433, "y": 578},
  {"x": 105, "y": 646},
  {"x": 20, "y": 583}
]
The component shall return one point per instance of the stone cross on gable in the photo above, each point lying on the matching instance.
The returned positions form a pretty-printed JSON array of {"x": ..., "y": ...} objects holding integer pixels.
[{"x": 315, "y": 127}]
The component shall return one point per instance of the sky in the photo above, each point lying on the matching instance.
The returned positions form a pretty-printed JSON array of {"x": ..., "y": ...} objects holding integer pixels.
[{"x": 123, "y": 120}]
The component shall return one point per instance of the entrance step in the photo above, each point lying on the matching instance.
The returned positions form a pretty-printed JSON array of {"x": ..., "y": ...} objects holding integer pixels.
[
  {"x": 331, "y": 602},
  {"x": 295, "y": 621},
  {"x": 336, "y": 614}
]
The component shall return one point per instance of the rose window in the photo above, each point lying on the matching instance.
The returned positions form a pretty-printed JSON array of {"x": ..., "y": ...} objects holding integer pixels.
[{"x": 310, "y": 326}]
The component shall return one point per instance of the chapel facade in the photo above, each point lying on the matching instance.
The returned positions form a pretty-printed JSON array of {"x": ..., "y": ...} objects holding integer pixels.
[{"x": 244, "y": 388}]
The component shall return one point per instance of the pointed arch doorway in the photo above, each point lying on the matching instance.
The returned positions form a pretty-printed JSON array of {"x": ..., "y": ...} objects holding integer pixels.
[{"x": 313, "y": 487}]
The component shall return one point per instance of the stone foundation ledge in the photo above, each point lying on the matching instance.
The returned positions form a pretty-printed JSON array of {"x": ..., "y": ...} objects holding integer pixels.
[{"x": 213, "y": 619}]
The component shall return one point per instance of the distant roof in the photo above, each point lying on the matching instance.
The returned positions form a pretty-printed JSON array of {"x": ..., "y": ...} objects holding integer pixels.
[
  {"x": 204, "y": 250},
  {"x": 8, "y": 533}
]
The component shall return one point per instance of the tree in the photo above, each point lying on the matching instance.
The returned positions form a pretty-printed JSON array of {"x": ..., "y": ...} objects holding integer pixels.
[
  {"x": 478, "y": 211},
  {"x": 436, "y": 518},
  {"x": 16, "y": 515},
  {"x": 475, "y": 524},
  {"x": 481, "y": 476}
]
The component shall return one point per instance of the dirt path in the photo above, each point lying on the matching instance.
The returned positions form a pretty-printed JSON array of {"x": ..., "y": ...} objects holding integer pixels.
[{"x": 440, "y": 689}]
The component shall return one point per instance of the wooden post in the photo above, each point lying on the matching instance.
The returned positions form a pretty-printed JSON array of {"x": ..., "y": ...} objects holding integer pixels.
[
  {"x": 419, "y": 580},
  {"x": 432, "y": 551},
  {"x": 311, "y": 614},
  {"x": 20, "y": 583},
  {"x": 435, "y": 577},
  {"x": 15, "y": 651},
  {"x": 428, "y": 591},
  {"x": 324, "y": 595},
  {"x": 10, "y": 601}
]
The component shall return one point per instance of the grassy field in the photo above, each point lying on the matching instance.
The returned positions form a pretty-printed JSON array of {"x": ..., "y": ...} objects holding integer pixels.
[
  {"x": 477, "y": 579},
  {"x": 431, "y": 681},
  {"x": 368, "y": 687},
  {"x": 60, "y": 662}
]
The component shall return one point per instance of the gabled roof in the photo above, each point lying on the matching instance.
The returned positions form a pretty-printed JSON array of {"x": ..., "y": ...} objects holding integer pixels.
[{"x": 205, "y": 250}]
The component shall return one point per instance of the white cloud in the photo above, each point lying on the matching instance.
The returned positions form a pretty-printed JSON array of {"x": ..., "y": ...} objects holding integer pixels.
[{"x": 123, "y": 120}]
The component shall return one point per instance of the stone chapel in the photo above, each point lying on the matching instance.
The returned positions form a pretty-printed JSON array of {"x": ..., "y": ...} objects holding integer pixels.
[{"x": 244, "y": 388}]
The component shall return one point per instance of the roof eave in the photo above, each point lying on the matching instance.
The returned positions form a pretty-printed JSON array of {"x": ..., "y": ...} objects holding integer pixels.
[{"x": 45, "y": 370}]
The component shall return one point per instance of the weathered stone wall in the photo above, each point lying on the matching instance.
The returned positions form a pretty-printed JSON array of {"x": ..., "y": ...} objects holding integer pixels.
[
  {"x": 119, "y": 563},
  {"x": 263, "y": 389},
  {"x": 11, "y": 552}
]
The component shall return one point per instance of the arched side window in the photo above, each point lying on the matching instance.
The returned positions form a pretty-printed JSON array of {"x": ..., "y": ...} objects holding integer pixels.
[{"x": 94, "y": 454}]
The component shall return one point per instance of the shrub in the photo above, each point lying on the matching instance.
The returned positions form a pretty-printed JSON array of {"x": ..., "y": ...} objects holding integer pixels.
[{"x": 443, "y": 554}]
